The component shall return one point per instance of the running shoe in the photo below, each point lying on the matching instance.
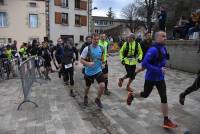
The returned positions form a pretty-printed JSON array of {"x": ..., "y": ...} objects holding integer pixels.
[
  {"x": 98, "y": 103},
  {"x": 169, "y": 124},
  {"x": 129, "y": 98}
]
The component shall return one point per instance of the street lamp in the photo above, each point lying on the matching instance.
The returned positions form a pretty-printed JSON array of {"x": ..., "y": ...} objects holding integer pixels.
[{"x": 89, "y": 14}]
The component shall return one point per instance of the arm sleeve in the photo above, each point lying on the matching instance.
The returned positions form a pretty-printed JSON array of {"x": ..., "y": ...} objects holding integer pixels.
[
  {"x": 84, "y": 52},
  {"x": 140, "y": 52},
  {"x": 122, "y": 51}
]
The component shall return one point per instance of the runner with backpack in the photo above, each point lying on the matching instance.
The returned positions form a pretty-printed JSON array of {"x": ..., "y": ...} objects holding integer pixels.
[
  {"x": 154, "y": 62},
  {"x": 130, "y": 55},
  {"x": 91, "y": 58}
]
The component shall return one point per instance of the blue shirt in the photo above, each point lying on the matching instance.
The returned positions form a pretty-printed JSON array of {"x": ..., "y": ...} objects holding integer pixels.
[
  {"x": 96, "y": 54},
  {"x": 154, "y": 69}
]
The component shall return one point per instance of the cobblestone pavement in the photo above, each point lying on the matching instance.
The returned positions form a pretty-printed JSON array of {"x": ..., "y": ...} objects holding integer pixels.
[{"x": 58, "y": 113}]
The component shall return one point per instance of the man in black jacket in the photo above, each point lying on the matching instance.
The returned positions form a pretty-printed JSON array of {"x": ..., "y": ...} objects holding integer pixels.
[
  {"x": 87, "y": 43},
  {"x": 68, "y": 63}
]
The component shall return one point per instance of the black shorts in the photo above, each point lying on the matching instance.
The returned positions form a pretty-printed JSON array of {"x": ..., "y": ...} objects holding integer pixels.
[
  {"x": 105, "y": 69},
  {"x": 130, "y": 70},
  {"x": 90, "y": 79}
]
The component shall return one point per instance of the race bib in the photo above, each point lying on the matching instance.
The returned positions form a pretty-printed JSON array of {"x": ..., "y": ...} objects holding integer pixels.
[
  {"x": 131, "y": 59},
  {"x": 68, "y": 66}
]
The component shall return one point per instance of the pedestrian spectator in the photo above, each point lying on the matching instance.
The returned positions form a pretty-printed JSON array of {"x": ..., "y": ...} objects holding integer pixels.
[
  {"x": 181, "y": 28},
  {"x": 154, "y": 62},
  {"x": 162, "y": 17},
  {"x": 196, "y": 24}
]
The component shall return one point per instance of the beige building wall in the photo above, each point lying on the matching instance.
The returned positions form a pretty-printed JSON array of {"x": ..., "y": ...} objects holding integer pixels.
[
  {"x": 56, "y": 30},
  {"x": 18, "y": 20}
]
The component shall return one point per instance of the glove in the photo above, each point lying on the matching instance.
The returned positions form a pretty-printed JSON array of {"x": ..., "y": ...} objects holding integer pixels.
[
  {"x": 139, "y": 61},
  {"x": 123, "y": 62}
]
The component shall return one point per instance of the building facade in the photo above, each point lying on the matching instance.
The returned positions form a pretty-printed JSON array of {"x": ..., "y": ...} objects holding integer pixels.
[
  {"x": 22, "y": 20},
  {"x": 68, "y": 19},
  {"x": 114, "y": 27}
]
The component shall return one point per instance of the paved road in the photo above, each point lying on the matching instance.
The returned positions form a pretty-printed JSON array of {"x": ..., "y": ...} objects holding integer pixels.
[{"x": 58, "y": 113}]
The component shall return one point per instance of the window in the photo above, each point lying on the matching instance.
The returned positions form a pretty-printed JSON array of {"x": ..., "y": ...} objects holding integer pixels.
[
  {"x": 96, "y": 31},
  {"x": 77, "y": 4},
  {"x": 33, "y": 20},
  {"x": 81, "y": 38},
  {"x": 105, "y": 22},
  {"x": 32, "y": 4},
  {"x": 61, "y": 18},
  {"x": 101, "y": 22},
  {"x": 80, "y": 20},
  {"x": 64, "y": 18},
  {"x": 3, "y": 19},
  {"x": 64, "y": 3},
  {"x": 1, "y": 2},
  {"x": 77, "y": 19}
]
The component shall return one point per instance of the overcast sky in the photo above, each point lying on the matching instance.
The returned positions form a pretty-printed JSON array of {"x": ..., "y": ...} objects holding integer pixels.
[{"x": 103, "y": 6}]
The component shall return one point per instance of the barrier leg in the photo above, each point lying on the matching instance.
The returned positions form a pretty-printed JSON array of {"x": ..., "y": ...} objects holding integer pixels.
[{"x": 36, "y": 105}]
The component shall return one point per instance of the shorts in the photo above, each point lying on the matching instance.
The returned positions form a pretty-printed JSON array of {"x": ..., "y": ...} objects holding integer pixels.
[
  {"x": 130, "y": 70},
  {"x": 90, "y": 79}
]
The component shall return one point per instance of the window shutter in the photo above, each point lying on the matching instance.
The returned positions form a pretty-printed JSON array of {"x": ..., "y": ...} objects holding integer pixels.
[
  {"x": 83, "y": 20},
  {"x": 83, "y": 5},
  {"x": 57, "y": 2},
  {"x": 58, "y": 19}
]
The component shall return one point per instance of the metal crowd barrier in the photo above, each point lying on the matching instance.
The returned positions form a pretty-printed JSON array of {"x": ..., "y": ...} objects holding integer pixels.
[{"x": 27, "y": 70}]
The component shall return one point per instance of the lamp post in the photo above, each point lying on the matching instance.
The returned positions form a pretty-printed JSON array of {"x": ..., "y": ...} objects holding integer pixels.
[{"x": 89, "y": 15}]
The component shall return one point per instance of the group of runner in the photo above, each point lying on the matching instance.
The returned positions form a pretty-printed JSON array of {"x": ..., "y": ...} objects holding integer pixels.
[{"x": 93, "y": 56}]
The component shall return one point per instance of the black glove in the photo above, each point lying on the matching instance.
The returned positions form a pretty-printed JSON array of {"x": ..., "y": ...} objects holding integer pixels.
[
  {"x": 139, "y": 61},
  {"x": 123, "y": 62}
]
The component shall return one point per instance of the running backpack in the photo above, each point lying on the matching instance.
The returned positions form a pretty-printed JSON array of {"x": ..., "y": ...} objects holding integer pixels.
[
  {"x": 89, "y": 54},
  {"x": 127, "y": 49},
  {"x": 160, "y": 55}
]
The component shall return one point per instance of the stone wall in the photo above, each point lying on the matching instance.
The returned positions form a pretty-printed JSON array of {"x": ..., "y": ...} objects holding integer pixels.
[{"x": 183, "y": 55}]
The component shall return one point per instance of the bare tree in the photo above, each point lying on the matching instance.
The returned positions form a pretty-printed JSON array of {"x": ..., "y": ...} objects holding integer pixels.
[
  {"x": 147, "y": 8},
  {"x": 130, "y": 13}
]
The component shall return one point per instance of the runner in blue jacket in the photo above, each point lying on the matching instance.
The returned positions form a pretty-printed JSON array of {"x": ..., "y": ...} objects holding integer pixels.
[{"x": 154, "y": 62}]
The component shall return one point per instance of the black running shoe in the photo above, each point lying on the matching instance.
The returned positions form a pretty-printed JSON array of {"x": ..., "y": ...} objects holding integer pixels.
[{"x": 98, "y": 103}]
